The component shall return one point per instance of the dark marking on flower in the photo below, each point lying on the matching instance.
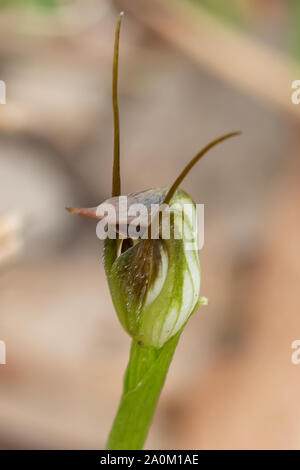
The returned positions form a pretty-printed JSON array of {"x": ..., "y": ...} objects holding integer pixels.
[
  {"x": 137, "y": 269},
  {"x": 126, "y": 244}
]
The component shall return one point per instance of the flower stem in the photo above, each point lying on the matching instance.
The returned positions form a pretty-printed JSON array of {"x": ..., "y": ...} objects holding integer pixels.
[{"x": 143, "y": 381}]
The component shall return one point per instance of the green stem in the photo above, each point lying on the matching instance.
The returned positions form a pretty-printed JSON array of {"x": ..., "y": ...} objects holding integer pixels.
[{"x": 143, "y": 381}]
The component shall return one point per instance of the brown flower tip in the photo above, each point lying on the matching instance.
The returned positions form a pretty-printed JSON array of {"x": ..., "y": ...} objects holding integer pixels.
[{"x": 90, "y": 212}]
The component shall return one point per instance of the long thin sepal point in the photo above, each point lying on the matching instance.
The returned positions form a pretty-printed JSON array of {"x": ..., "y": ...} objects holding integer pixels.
[
  {"x": 116, "y": 180},
  {"x": 194, "y": 160}
]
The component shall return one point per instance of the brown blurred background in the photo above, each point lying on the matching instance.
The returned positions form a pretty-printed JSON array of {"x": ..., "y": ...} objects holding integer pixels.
[{"x": 190, "y": 70}]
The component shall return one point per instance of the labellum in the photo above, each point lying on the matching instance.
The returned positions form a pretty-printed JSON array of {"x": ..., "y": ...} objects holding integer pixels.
[{"x": 155, "y": 281}]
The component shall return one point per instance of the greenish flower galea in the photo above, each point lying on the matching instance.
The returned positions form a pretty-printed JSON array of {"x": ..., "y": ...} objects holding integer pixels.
[{"x": 155, "y": 286}]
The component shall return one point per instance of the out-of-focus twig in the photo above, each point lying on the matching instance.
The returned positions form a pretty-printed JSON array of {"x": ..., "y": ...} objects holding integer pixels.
[{"x": 240, "y": 60}]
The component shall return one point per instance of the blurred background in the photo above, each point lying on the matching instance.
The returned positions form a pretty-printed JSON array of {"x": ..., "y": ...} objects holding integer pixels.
[{"x": 190, "y": 70}]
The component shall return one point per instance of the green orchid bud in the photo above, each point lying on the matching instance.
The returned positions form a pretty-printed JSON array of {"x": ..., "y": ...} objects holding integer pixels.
[{"x": 154, "y": 281}]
